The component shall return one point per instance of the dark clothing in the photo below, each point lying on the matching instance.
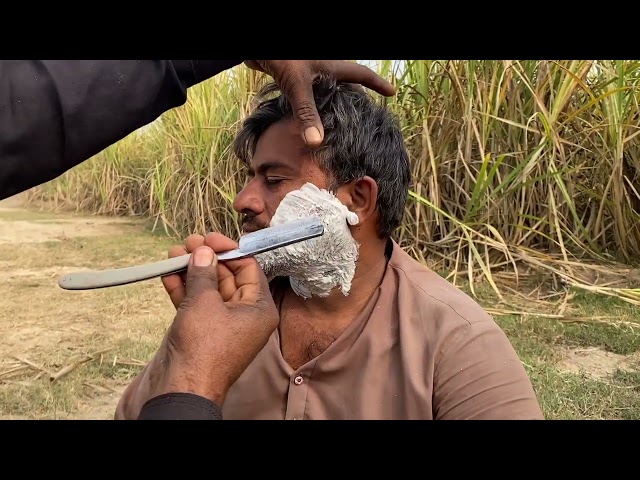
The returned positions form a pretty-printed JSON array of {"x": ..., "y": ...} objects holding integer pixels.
[
  {"x": 180, "y": 406},
  {"x": 55, "y": 114}
]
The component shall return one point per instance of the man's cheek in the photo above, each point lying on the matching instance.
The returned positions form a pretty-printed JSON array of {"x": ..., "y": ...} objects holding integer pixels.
[{"x": 272, "y": 203}]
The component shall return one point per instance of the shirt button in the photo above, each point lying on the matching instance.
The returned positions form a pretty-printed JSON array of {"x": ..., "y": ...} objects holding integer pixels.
[{"x": 298, "y": 380}]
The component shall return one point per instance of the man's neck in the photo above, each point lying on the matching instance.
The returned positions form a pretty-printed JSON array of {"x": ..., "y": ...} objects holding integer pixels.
[
  {"x": 309, "y": 326},
  {"x": 368, "y": 276}
]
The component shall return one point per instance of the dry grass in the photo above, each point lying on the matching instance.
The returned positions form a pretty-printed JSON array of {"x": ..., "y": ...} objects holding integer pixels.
[{"x": 523, "y": 168}]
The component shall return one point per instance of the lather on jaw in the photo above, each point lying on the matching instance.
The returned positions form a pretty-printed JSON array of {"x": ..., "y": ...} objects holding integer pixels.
[{"x": 315, "y": 267}]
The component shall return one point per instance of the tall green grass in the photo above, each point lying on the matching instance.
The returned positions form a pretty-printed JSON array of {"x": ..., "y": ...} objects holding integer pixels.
[{"x": 515, "y": 164}]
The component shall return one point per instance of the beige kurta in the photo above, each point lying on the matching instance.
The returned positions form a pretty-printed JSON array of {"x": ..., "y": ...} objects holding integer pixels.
[{"x": 421, "y": 349}]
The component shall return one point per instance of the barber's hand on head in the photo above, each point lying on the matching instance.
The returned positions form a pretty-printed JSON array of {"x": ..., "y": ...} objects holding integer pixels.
[
  {"x": 295, "y": 79},
  {"x": 225, "y": 315}
]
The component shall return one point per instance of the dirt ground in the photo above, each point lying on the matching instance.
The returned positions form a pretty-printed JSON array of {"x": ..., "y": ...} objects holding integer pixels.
[
  {"x": 100, "y": 337},
  {"x": 597, "y": 363}
]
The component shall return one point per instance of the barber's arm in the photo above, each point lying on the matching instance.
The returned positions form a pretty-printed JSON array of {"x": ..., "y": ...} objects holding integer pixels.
[
  {"x": 55, "y": 114},
  {"x": 225, "y": 316}
]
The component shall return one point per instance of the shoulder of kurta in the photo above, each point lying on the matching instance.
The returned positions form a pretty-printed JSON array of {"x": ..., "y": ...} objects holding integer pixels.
[
  {"x": 425, "y": 291},
  {"x": 457, "y": 330}
]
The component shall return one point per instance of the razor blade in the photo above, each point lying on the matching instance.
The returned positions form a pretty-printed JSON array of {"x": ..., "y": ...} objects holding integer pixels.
[{"x": 253, "y": 243}]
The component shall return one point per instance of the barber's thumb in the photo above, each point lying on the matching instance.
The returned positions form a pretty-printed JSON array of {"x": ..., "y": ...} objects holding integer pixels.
[
  {"x": 313, "y": 133},
  {"x": 304, "y": 107},
  {"x": 201, "y": 271}
]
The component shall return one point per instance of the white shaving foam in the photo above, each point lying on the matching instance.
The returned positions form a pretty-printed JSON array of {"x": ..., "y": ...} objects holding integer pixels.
[{"x": 316, "y": 266}]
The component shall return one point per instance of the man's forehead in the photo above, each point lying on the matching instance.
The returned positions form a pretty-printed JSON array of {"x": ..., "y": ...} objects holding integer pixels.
[{"x": 280, "y": 144}]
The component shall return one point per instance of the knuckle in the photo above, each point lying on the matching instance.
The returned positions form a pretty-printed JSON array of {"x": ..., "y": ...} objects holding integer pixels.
[
  {"x": 266, "y": 307},
  {"x": 213, "y": 238},
  {"x": 287, "y": 80},
  {"x": 179, "y": 338},
  {"x": 306, "y": 111},
  {"x": 189, "y": 303},
  {"x": 290, "y": 79},
  {"x": 195, "y": 237},
  {"x": 193, "y": 241},
  {"x": 219, "y": 242},
  {"x": 198, "y": 302},
  {"x": 324, "y": 67}
]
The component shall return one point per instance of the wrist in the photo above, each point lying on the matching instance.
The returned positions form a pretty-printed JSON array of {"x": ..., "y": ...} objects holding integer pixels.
[{"x": 210, "y": 387}]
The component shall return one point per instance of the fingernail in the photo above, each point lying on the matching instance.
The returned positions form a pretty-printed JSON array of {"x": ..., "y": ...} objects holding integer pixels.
[
  {"x": 312, "y": 136},
  {"x": 203, "y": 257}
]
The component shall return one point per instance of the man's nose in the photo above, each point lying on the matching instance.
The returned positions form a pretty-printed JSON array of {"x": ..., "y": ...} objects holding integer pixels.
[{"x": 249, "y": 201}]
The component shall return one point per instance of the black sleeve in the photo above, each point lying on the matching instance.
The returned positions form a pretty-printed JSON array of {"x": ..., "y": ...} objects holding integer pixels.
[
  {"x": 180, "y": 406},
  {"x": 55, "y": 114}
]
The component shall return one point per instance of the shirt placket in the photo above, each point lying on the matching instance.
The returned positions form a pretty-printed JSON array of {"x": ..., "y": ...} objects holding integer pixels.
[{"x": 297, "y": 396}]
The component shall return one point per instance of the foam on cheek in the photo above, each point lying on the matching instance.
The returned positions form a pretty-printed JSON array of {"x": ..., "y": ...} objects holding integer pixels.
[{"x": 316, "y": 266}]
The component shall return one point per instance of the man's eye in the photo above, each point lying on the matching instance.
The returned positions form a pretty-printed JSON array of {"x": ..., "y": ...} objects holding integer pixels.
[{"x": 274, "y": 181}]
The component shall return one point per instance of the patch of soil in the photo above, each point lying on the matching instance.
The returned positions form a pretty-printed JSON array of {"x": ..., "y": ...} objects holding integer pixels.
[
  {"x": 56, "y": 228},
  {"x": 99, "y": 406},
  {"x": 597, "y": 363},
  {"x": 36, "y": 320},
  {"x": 45, "y": 272},
  {"x": 37, "y": 231},
  {"x": 102, "y": 408}
]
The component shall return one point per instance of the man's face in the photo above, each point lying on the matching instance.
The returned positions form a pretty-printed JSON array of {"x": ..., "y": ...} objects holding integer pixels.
[{"x": 281, "y": 163}]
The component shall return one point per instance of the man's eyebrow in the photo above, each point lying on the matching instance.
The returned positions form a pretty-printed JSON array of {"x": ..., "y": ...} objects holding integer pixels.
[{"x": 269, "y": 165}]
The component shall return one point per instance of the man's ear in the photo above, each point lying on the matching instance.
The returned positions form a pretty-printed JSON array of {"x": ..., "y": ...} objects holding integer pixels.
[{"x": 361, "y": 197}]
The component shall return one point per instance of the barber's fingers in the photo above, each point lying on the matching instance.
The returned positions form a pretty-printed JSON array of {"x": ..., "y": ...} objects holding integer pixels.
[
  {"x": 219, "y": 243},
  {"x": 174, "y": 284},
  {"x": 238, "y": 280},
  {"x": 202, "y": 277},
  {"x": 226, "y": 279},
  {"x": 295, "y": 79},
  {"x": 351, "y": 72},
  {"x": 298, "y": 87},
  {"x": 193, "y": 241},
  {"x": 250, "y": 283},
  {"x": 242, "y": 272}
]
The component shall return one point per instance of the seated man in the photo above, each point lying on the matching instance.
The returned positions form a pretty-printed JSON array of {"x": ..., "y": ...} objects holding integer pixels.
[{"x": 387, "y": 339}]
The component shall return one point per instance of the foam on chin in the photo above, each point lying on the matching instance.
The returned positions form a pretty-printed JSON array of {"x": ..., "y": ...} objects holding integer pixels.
[{"x": 315, "y": 267}]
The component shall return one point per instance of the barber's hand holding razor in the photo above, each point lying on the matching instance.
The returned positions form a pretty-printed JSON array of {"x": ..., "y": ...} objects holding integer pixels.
[{"x": 225, "y": 315}]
